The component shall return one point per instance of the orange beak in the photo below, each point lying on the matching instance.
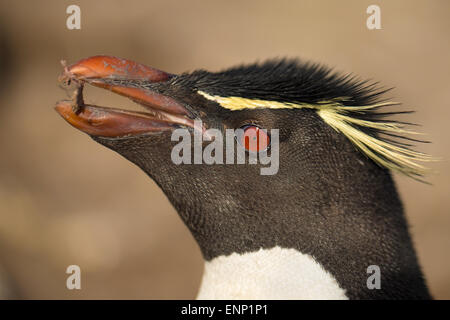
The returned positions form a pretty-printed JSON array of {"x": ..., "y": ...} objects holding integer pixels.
[{"x": 126, "y": 78}]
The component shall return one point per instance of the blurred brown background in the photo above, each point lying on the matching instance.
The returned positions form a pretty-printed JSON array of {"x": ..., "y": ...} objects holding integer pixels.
[{"x": 66, "y": 200}]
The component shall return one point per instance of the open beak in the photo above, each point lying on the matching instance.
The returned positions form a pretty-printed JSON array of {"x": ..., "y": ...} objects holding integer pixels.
[{"x": 126, "y": 78}]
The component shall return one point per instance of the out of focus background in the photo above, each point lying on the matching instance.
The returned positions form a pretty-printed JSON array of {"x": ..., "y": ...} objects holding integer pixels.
[{"x": 64, "y": 199}]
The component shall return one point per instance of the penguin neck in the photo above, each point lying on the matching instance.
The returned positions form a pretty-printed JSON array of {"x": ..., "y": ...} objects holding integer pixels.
[{"x": 319, "y": 248}]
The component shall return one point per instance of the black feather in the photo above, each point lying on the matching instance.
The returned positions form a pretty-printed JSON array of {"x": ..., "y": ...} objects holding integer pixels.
[{"x": 285, "y": 80}]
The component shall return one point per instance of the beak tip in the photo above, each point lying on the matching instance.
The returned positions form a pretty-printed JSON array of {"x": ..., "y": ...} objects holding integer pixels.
[
  {"x": 61, "y": 107},
  {"x": 80, "y": 70},
  {"x": 66, "y": 110}
]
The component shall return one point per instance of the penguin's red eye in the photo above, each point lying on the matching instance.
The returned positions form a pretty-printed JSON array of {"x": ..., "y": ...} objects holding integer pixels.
[{"x": 254, "y": 139}]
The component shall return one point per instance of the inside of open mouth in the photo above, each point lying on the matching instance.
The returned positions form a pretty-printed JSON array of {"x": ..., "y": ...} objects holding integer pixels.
[
  {"x": 76, "y": 89},
  {"x": 83, "y": 94}
]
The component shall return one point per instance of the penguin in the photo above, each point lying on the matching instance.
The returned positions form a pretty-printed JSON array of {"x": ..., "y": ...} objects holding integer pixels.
[{"x": 328, "y": 224}]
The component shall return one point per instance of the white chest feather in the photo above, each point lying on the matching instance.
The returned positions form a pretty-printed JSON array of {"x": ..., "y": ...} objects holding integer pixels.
[{"x": 275, "y": 273}]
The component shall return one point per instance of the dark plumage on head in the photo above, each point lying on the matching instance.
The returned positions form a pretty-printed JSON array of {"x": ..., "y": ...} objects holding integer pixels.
[{"x": 283, "y": 80}]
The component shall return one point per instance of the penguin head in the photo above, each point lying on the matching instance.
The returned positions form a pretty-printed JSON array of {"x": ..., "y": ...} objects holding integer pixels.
[{"x": 321, "y": 128}]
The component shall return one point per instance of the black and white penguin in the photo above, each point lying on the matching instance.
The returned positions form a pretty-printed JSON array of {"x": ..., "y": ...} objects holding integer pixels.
[{"x": 309, "y": 231}]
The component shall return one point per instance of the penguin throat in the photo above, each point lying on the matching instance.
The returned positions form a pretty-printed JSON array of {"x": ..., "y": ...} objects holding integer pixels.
[{"x": 275, "y": 273}]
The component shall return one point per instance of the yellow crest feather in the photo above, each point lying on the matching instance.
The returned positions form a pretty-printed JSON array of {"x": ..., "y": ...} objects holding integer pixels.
[{"x": 341, "y": 118}]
